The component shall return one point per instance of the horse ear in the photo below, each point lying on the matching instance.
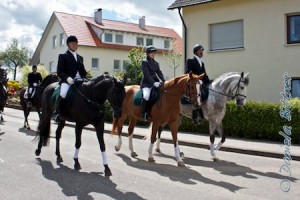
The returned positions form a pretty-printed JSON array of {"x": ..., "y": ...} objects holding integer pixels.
[
  {"x": 191, "y": 74},
  {"x": 242, "y": 74}
]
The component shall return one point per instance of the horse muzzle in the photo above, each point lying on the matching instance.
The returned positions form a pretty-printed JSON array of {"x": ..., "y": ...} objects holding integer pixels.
[{"x": 240, "y": 102}]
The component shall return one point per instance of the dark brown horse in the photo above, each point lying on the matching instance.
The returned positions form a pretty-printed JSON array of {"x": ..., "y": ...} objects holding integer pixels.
[
  {"x": 2, "y": 99},
  {"x": 166, "y": 110},
  {"x": 36, "y": 99}
]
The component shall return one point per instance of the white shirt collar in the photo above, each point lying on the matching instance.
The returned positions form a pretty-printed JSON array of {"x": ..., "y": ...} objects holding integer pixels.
[
  {"x": 199, "y": 60},
  {"x": 74, "y": 54}
]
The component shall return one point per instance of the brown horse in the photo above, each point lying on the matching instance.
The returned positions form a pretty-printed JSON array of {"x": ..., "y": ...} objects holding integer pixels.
[{"x": 165, "y": 110}]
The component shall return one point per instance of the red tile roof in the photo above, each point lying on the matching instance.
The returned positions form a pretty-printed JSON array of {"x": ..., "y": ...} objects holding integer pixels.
[{"x": 81, "y": 27}]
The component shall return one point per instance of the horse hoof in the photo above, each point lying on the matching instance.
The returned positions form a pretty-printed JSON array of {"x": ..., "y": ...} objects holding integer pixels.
[
  {"x": 77, "y": 167},
  {"x": 107, "y": 172},
  {"x": 117, "y": 148},
  {"x": 216, "y": 159},
  {"x": 59, "y": 159},
  {"x": 134, "y": 154},
  {"x": 37, "y": 152},
  {"x": 181, "y": 154},
  {"x": 150, "y": 159},
  {"x": 181, "y": 164},
  {"x": 158, "y": 150}
]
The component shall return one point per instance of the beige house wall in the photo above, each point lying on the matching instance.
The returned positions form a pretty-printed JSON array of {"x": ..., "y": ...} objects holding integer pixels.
[
  {"x": 106, "y": 56},
  {"x": 266, "y": 55}
]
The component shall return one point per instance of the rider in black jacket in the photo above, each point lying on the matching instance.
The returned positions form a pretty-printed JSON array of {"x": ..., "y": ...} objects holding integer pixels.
[
  {"x": 34, "y": 79},
  {"x": 196, "y": 65},
  {"x": 151, "y": 73}
]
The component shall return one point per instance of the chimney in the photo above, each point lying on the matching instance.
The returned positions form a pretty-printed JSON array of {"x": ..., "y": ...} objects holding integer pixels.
[
  {"x": 98, "y": 16},
  {"x": 142, "y": 22}
]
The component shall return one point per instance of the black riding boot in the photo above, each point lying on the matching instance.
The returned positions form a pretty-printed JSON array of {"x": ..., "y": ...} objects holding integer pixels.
[
  {"x": 144, "y": 109},
  {"x": 57, "y": 109}
]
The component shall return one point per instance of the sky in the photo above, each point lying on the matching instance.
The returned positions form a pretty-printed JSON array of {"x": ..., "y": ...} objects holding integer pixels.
[{"x": 26, "y": 20}]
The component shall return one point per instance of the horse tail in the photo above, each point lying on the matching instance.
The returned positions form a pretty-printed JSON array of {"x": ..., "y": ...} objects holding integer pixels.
[
  {"x": 45, "y": 119},
  {"x": 114, "y": 129},
  {"x": 44, "y": 129}
]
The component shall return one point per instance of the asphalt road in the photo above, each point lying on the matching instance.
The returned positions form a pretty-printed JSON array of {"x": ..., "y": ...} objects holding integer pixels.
[{"x": 26, "y": 176}]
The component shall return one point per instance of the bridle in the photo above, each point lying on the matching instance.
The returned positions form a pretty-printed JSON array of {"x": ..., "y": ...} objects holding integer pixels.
[{"x": 236, "y": 87}]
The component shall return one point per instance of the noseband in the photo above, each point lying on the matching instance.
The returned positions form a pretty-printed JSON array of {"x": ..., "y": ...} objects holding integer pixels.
[{"x": 236, "y": 90}]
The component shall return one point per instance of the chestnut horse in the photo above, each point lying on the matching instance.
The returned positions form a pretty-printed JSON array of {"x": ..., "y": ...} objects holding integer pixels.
[{"x": 165, "y": 110}]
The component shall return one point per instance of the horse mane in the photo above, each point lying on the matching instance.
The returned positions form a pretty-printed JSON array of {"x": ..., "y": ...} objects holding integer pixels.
[
  {"x": 48, "y": 79},
  {"x": 174, "y": 81}
]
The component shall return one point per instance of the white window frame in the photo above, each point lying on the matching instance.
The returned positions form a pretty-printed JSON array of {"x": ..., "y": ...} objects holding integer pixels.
[
  {"x": 117, "y": 37},
  {"x": 293, "y": 28},
  {"x": 61, "y": 39},
  {"x": 118, "y": 66},
  {"x": 147, "y": 41},
  {"x": 107, "y": 34},
  {"x": 97, "y": 63},
  {"x": 54, "y": 41},
  {"x": 226, "y": 35},
  {"x": 296, "y": 87},
  {"x": 167, "y": 44},
  {"x": 137, "y": 40}
]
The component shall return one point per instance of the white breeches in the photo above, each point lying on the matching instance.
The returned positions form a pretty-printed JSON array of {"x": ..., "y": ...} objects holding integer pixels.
[
  {"x": 64, "y": 88},
  {"x": 146, "y": 93}
]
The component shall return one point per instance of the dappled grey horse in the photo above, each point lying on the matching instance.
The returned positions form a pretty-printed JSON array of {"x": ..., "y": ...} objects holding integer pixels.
[{"x": 228, "y": 86}]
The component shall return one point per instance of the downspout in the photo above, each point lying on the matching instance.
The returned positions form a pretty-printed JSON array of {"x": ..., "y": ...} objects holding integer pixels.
[{"x": 185, "y": 34}]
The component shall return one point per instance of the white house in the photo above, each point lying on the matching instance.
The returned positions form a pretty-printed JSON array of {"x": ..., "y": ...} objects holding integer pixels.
[
  {"x": 257, "y": 36},
  {"x": 104, "y": 44}
]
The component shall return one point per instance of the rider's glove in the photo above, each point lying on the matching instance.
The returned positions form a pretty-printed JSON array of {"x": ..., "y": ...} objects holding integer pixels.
[
  {"x": 70, "y": 80},
  {"x": 156, "y": 84},
  {"x": 34, "y": 84}
]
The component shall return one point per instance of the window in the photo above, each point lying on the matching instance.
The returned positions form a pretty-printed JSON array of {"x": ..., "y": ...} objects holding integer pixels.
[
  {"x": 149, "y": 41},
  {"x": 126, "y": 63},
  {"x": 108, "y": 37},
  {"x": 296, "y": 87},
  {"x": 293, "y": 29},
  {"x": 95, "y": 63},
  {"x": 54, "y": 41},
  {"x": 119, "y": 38},
  {"x": 61, "y": 39},
  {"x": 167, "y": 44},
  {"x": 140, "y": 41},
  {"x": 117, "y": 64},
  {"x": 228, "y": 35}
]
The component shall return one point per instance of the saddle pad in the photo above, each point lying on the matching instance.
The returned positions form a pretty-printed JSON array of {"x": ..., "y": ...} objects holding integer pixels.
[
  {"x": 154, "y": 96},
  {"x": 55, "y": 95},
  {"x": 137, "y": 100}
]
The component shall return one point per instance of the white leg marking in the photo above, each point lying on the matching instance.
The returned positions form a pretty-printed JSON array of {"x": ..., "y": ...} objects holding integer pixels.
[
  {"x": 104, "y": 158},
  {"x": 76, "y": 153}
]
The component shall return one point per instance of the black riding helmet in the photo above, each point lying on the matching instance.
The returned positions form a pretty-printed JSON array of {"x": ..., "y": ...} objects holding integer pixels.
[
  {"x": 72, "y": 38},
  {"x": 150, "y": 49},
  {"x": 198, "y": 47}
]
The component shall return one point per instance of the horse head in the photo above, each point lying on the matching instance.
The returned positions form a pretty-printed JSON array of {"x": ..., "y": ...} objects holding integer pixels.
[
  {"x": 193, "y": 88},
  {"x": 235, "y": 85},
  {"x": 115, "y": 97}
]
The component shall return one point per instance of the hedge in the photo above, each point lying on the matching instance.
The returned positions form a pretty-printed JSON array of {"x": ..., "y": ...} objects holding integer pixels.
[{"x": 254, "y": 120}]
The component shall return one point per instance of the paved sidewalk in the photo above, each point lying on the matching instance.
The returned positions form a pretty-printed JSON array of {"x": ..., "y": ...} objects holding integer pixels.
[{"x": 251, "y": 147}]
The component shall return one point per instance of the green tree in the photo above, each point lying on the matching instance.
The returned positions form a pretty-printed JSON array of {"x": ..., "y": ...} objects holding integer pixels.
[
  {"x": 27, "y": 69},
  {"x": 174, "y": 59},
  {"x": 134, "y": 72},
  {"x": 15, "y": 56}
]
